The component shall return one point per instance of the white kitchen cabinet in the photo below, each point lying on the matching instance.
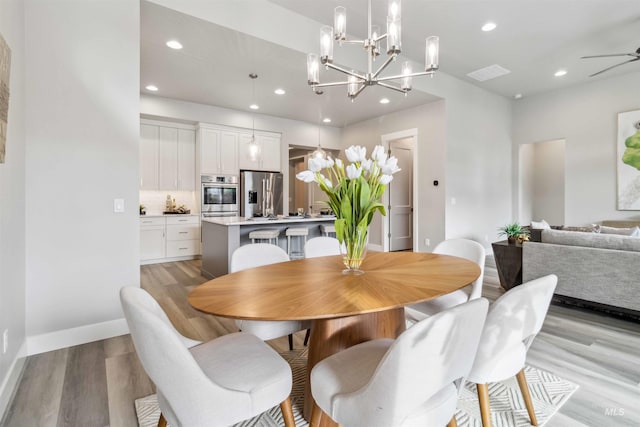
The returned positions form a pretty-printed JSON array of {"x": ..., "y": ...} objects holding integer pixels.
[
  {"x": 152, "y": 239},
  {"x": 186, "y": 160},
  {"x": 169, "y": 238},
  {"x": 148, "y": 157},
  {"x": 268, "y": 155},
  {"x": 183, "y": 236},
  {"x": 217, "y": 151},
  {"x": 167, "y": 157}
]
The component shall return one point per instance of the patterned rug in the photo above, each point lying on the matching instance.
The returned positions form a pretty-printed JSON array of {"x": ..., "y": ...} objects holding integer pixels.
[{"x": 548, "y": 393}]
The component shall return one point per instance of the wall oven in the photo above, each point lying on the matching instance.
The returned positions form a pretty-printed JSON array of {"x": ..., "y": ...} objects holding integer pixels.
[{"x": 219, "y": 195}]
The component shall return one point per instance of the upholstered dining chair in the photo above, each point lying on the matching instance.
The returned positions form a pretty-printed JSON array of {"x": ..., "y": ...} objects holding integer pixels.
[
  {"x": 257, "y": 255},
  {"x": 217, "y": 383},
  {"x": 321, "y": 246},
  {"x": 413, "y": 380},
  {"x": 463, "y": 248},
  {"x": 512, "y": 323}
]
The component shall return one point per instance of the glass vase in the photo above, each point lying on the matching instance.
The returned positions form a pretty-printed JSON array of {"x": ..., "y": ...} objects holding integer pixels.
[{"x": 354, "y": 250}]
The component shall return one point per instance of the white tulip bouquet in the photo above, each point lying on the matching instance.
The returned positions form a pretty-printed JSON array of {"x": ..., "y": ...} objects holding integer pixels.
[{"x": 354, "y": 194}]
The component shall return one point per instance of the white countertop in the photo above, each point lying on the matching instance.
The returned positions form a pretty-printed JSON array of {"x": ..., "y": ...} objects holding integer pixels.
[
  {"x": 237, "y": 220},
  {"x": 156, "y": 215}
]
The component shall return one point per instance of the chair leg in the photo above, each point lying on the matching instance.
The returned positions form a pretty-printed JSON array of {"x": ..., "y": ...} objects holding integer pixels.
[
  {"x": 453, "y": 422},
  {"x": 162, "y": 422},
  {"x": 306, "y": 337},
  {"x": 524, "y": 388},
  {"x": 287, "y": 412},
  {"x": 485, "y": 407},
  {"x": 316, "y": 415},
  {"x": 290, "y": 342}
]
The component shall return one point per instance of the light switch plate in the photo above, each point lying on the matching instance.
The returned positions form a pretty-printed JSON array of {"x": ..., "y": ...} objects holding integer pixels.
[{"x": 118, "y": 205}]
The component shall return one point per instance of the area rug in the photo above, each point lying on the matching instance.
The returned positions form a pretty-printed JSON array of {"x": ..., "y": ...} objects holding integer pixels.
[{"x": 548, "y": 393}]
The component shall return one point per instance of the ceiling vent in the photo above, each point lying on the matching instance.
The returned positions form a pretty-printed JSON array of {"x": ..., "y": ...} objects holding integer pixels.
[{"x": 488, "y": 73}]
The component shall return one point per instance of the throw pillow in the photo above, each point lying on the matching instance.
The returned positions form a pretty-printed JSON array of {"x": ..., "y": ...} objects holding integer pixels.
[
  {"x": 542, "y": 225},
  {"x": 635, "y": 231}
]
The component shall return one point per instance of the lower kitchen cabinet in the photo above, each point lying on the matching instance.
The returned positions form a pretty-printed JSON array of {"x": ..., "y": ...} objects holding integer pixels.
[{"x": 168, "y": 238}]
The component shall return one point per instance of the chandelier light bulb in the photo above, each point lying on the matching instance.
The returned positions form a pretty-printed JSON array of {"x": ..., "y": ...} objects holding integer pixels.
[
  {"x": 406, "y": 71},
  {"x": 352, "y": 87},
  {"x": 340, "y": 23},
  {"x": 313, "y": 69},
  {"x": 393, "y": 35},
  {"x": 431, "y": 53},
  {"x": 326, "y": 44}
]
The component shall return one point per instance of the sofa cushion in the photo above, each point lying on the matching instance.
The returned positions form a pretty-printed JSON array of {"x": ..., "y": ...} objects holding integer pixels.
[{"x": 594, "y": 240}]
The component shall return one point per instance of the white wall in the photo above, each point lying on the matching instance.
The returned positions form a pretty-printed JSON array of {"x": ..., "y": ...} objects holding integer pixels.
[
  {"x": 82, "y": 108},
  {"x": 12, "y": 206},
  {"x": 586, "y": 116},
  {"x": 430, "y": 121},
  {"x": 548, "y": 182}
]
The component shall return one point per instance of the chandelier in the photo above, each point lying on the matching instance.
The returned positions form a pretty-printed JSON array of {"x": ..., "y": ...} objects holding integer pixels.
[{"x": 356, "y": 81}]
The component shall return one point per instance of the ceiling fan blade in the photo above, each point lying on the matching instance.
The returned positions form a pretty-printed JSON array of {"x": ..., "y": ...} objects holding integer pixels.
[
  {"x": 605, "y": 56},
  {"x": 614, "y": 66}
]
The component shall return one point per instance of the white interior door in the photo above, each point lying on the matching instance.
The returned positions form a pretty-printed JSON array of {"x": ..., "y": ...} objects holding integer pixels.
[{"x": 400, "y": 197}]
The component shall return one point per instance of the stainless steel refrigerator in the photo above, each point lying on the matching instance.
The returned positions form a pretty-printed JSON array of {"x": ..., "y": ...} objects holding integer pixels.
[{"x": 261, "y": 193}]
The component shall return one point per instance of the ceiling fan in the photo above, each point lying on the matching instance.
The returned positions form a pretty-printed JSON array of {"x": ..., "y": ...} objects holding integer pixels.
[{"x": 635, "y": 55}]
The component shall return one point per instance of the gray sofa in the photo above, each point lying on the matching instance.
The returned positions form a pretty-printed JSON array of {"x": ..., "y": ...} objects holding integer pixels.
[{"x": 596, "y": 270}]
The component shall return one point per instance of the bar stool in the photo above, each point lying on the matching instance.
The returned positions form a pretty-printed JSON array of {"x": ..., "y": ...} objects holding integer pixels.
[
  {"x": 296, "y": 232},
  {"x": 327, "y": 229},
  {"x": 267, "y": 234}
]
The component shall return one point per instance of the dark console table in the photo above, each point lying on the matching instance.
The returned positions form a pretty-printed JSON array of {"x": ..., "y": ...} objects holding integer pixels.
[{"x": 508, "y": 257}]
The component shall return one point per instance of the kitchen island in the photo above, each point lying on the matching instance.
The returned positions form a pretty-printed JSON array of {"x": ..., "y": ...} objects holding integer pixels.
[{"x": 223, "y": 235}]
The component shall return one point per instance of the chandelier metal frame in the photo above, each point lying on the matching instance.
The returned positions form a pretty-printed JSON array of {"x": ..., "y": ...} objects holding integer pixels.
[{"x": 357, "y": 81}]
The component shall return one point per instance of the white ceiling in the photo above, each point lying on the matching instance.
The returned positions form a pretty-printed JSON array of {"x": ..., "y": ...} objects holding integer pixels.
[{"x": 533, "y": 40}]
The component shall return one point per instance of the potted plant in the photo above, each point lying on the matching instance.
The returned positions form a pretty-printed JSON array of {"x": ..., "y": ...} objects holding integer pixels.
[
  {"x": 514, "y": 232},
  {"x": 143, "y": 210}
]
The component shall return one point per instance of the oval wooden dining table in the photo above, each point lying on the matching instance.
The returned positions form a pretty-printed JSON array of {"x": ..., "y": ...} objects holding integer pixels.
[{"x": 345, "y": 309}]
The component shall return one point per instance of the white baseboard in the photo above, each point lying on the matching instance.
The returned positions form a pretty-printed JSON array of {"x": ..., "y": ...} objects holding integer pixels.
[
  {"x": 10, "y": 382},
  {"x": 37, "y": 344}
]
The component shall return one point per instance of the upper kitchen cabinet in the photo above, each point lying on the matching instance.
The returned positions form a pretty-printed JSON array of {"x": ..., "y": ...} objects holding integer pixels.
[
  {"x": 217, "y": 151},
  {"x": 149, "y": 140},
  {"x": 264, "y": 154},
  {"x": 167, "y": 156}
]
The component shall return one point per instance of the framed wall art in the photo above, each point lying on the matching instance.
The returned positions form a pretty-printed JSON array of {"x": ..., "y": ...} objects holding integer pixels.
[{"x": 628, "y": 160}]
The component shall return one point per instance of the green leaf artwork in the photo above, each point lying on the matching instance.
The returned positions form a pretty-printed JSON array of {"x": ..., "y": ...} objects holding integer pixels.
[{"x": 631, "y": 155}]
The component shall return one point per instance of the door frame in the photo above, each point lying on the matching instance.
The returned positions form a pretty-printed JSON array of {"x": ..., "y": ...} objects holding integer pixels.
[{"x": 386, "y": 139}]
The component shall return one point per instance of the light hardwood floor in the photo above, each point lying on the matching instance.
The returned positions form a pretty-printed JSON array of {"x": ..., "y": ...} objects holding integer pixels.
[{"x": 95, "y": 384}]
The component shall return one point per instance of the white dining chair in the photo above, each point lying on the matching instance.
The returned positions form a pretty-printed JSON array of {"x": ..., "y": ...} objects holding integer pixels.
[
  {"x": 217, "y": 383},
  {"x": 411, "y": 381},
  {"x": 463, "y": 248},
  {"x": 257, "y": 255},
  {"x": 512, "y": 323},
  {"x": 321, "y": 246}
]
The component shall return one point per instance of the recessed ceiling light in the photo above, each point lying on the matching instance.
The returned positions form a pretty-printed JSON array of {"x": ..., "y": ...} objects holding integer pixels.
[
  {"x": 517, "y": 96},
  {"x": 560, "y": 73},
  {"x": 489, "y": 26},
  {"x": 326, "y": 120},
  {"x": 384, "y": 101},
  {"x": 279, "y": 91},
  {"x": 152, "y": 88},
  {"x": 174, "y": 44},
  {"x": 254, "y": 106}
]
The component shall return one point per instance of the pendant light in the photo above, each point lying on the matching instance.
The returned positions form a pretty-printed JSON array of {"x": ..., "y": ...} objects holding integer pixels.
[
  {"x": 319, "y": 153},
  {"x": 254, "y": 147}
]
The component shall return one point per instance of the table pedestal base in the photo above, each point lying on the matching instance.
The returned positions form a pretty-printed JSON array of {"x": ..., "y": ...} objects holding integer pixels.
[{"x": 329, "y": 336}]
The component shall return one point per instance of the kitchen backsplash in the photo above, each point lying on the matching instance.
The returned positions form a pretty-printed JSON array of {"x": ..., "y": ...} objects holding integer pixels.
[{"x": 154, "y": 201}]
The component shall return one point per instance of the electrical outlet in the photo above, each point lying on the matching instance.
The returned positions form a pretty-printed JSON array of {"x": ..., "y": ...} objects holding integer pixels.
[
  {"x": 5, "y": 341},
  {"x": 427, "y": 242}
]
